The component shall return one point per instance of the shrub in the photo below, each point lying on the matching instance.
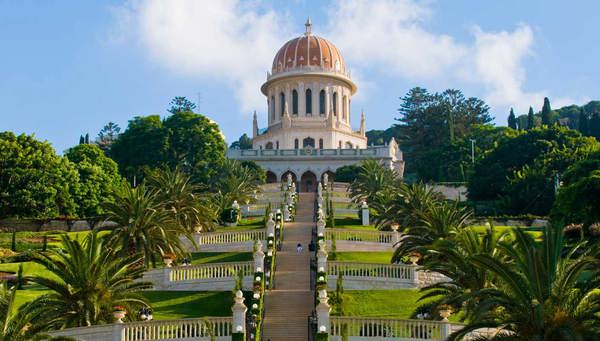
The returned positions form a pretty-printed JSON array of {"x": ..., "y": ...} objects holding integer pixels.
[{"x": 230, "y": 215}]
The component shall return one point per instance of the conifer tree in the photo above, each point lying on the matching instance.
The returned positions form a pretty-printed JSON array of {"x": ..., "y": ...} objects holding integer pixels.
[
  {"x": 530, "y": 120},
  {"x": 584, "y": 124},
  {"x": 512, "y": 119},
  {"x": 546, "y": 112}
]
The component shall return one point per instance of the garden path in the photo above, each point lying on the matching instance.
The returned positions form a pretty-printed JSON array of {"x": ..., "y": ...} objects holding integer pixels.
[{"x": 291, "y": 302}]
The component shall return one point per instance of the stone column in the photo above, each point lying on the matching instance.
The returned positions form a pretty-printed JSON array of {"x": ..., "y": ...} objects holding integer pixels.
[
  {"x": 365, "y": 213},
  {"x": 323, "y": 309},
  {"x": 301, "y": 99},
  {"x": 286, "y": 212},
  {"x": 396, "y": 235},
  {"x": 270, "y": 226},
  {"x": 259, "y": 258},
  {"x": 321, "y": 259},
  {"x": 320, "y": 227},
  {"x": 239, "y": 313},
  {"x": 327, "y": 100}
]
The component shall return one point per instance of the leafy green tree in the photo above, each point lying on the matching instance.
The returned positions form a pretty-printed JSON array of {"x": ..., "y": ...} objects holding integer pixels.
[
  {"x": 236, "y": 181},
  {"x": 521, "y": 170},
  {"x": 181, "y": 104},
  {"x": 594, "y": 125},
  {"x": 584, "y": 124},
  {"x": 530, "y": 119},
  {"x": 244, "y": 142},
  {"x": 546, "y": 112},
  {"x": 522, "y": 122},
  {"x": 512, "y": 120},
  {"x": 347, "y": 173},
  {"x": 145, "y": 225},
  {"x": 34, "y": 181},
  {"x": 539, "y": 290},
  {"x": 99, "y": 178},
  {"x": 107, "y": 136},
  {"x": 87, "y": 280},
  {"x": 373, "y": 178}
]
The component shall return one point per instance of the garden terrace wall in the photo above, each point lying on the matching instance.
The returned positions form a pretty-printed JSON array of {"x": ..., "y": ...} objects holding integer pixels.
[
  {"x": 203, "y": 277},
  {"x": 356, "y": 240},
  {"x": 234, "y": 241},
  {"x": 167, "y": 330}
]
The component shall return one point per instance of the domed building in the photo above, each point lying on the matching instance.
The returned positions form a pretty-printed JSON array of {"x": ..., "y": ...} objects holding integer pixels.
[{"x": 309, "y": 133}]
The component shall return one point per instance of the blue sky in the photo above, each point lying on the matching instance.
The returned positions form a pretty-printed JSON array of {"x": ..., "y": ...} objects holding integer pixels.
[{"x": 69, "y": 67}]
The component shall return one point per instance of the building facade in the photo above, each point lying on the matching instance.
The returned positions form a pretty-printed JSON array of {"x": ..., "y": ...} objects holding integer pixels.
[{"x": 309, "y": 133}]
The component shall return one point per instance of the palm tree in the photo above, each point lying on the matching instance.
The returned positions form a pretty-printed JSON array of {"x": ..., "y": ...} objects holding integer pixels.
[
  {"x": 87, "y": 279},
  {"x": 439, "y": 220},
  {"x": 183, "y": 199},
  {"x": 143, "y": 224},
  {"x": 373, "y": 178},
  {"x": 404, "y": 204},
  {"x": 15, "y": 324},
  {"x": 541, "y": 291},
  {"x": 453, "y": 258}
]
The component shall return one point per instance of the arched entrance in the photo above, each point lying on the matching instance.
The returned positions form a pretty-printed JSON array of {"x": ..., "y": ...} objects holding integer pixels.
[
  {"x": 271, "y": 177},
  {"x": 308, "y": 182},
  {"x": 284, "y": 177},
  {"x": 330, "y": 176}
]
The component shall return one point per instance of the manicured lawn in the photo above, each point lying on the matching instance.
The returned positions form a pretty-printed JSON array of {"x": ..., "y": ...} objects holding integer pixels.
[
  {"x": 536, "y": 232},
  {"x": 353, "y": 223},
  {"x": 250, "y": 223},
  {"x": 168, "y": 305},
  {"x": 220, "y": 257},
  {"x": 29, "y": 269},
  {"x": 364, "y": 257},
  {"x": 30, "y": 293}
]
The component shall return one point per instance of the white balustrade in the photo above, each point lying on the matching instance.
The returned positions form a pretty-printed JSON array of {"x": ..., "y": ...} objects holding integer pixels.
[
  {"x": 356, "y": 269},
  {"x": 393, "y": 329},
  {"x": 177, "y": 329},
  {"x": 210, "y": 271},
  {"x": 385, "y": 237},
  {"x": 231, "y": 237}
]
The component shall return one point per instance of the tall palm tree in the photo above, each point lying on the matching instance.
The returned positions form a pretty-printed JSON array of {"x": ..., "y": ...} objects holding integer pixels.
[
  {"x": 541, "y": 291},
  {"x": 404, "y": 204},
  {"x": 189, "y": 207},
  {"x": 143, "y": 224},
  {"x": 439, "y": 220},
  {"x": 453, "y": 258},
  {"x": 87, "y": 280},
  {"x": 373, "y": 178}
]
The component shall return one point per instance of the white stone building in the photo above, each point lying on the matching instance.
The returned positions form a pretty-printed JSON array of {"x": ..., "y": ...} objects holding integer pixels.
[{"x": 309, "y": 130}]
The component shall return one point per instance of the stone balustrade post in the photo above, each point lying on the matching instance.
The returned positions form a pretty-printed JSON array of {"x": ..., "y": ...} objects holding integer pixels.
[
  {"x": 118, "y": 332},
  {"x": 395, "y": 235},
  {"x": 414, "y": 274},
  {"x": 323, "y": 309},
  {"x": 321, "y": 259},
  {"x": 270, "y": 226},
  {"x": 166, "y": 278},
  {"x": 319, "y": 189},
  {"x": 286, "y": 212},
  {"x": 365, "y": 213},
  {"x": 320, "y": 227},
  {"x": 239, "y": 313},
  {"x": 320, "y": 200},
  {"x": 259, "y": 258}
]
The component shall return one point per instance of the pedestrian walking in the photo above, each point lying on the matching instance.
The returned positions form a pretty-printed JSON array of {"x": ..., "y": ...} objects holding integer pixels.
[{"x": 299, "y": 248}]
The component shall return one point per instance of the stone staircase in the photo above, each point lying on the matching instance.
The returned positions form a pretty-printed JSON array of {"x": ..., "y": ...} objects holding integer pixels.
[{"x": 291, "y": 302}]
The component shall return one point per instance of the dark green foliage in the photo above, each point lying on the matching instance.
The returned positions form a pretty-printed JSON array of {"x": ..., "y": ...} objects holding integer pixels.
[
  {"x": 81, "y": 139},
  {"x": 381, "y": 137},
  {"x": 181, "y": 104},
  {"x": 99, "y": 178},
  {"x": 512, "y": 120},
  {"x": 373, "y": 179},
  {"x": 433, "y": 120},
  {"x": 244, "y": 142},
  {"x": 330, "y": 214},
  {"x": 584, "y": 124},
  {"x": 34, "y": 181},
  {"x": 322, "y": 337},
  {"x": 530, "y": 119},
  {"x": 347, "y": 173},
  {"x": 107, "y": 136},
  {"x": 238, "y": 337},
  {"x": 20, "y": 280},
  {"x": 44, "y": 243},
  {"x": 13, "y": 241},
  {"x": 594, "y": 125},
  {"x": 546, "y": 112},
  {"x": 521, "y": 169}
]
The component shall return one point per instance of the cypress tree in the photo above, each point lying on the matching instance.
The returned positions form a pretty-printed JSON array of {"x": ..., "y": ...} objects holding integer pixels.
[
  {"x": 87, "y": 138},
  {"x": 530, "y": 121},
  {"x": 546, "y": 112},
  {"x": 584, "y": 124},
  {"x": 81, "y": 139},
  {"x": 512, "y": 119}
]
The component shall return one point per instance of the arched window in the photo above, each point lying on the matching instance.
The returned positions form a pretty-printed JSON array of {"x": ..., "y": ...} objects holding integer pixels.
[
  {"x": 273, "y": 108},
  {"x": 344, "y": 107},
  {"x": 269, "y": 145},
  {"x": 296, "y": 144},
  {"x": 322, "y": 102},
  {"x": 309, "y": 141},
  {"x": 349, "y": 145},
  {"x": 340, "y": 144},
  {"x": 281, "y": 103},
  {"x": 277, "y": 144},
  {"x": 308, "y": 101},
  {"x": 320, "y": 143},
  {"x": 335, "y": 98},
  {"x": 295, "y": 102}
]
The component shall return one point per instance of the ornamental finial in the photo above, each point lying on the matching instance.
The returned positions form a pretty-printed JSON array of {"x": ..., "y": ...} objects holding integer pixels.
[{"x": 308, "y": 27}]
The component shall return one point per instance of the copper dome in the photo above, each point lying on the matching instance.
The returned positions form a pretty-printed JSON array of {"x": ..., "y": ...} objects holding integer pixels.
[{"x": 308, "y": 51}]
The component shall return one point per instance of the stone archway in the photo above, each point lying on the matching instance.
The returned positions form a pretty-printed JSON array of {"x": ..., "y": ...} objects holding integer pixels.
[
  {"x": 308, "y": 182},
  {"x": 330, "y": 176},
  {"x": 271, "y": 177},
  {"x": 285, "y": 174}
]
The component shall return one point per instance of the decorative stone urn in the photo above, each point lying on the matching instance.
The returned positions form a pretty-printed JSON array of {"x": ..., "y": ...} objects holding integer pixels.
[
  {"x": 445, "y": 312},
  {"x": 119, "y": 314}
]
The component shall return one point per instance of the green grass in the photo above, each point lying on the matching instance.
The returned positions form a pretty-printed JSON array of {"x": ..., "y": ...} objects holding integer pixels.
[
  {"x": 536, "y": 232},
  {"x": 398, "y": 304},
  {"x": 352, "y": 223},
  {"x": 220, "y": 257},
  {"x": 168, "y": 305},
  {"x": 29, "y": 269},
  {"x": 365, "y": 257}
]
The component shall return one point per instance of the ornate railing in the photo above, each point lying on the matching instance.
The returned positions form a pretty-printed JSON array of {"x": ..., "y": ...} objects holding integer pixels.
[
  {"x": 211, "y": 271},
  {"x": 177, "y": 329},
  {"x": 360, "y": 236},
  {"x": 356, "y": 269},
  {"x": 231, "y": 237},
  {"x": 396, "y": 329}
]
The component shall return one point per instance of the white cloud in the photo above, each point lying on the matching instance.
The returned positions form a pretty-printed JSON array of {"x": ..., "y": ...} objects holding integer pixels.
[{"x": 226, "y": 40}]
